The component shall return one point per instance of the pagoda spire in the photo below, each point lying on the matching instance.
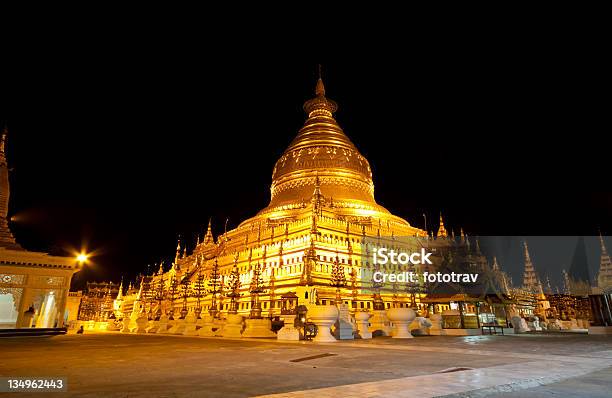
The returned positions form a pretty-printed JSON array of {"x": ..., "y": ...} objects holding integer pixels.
[
  {"x": 120, "y": 292},
  {"x": 603, "y": 245},
  {"x": 495, "y": 266},
  {"x": 441, "y": 230},
  {"x": 7, "y": 240},
  {"x": 320, "y": 105},
  {"x": 208, "y": 238},
  {"x": 178, "y": 251},
  {"x": 317, "y": 196},
  {"x": 526, "y": 252},
  {"x": 310, "y": 261},
  {"x": 531, "y": 282},
  {"x": 604, "y": 276},
  {"x": 320, "y": 89}
]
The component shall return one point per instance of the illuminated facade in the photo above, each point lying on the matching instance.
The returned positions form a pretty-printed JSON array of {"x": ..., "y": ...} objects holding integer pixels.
[
  {"x": 33, "y": 286},
  {"x": 313, "y": 242},
  {"x": 322, "y": 208},
  {"x": 310, "y": 240},
  {"x": 97, "y": 302}
]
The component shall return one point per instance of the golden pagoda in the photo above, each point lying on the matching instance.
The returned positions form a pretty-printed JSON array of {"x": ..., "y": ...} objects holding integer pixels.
[
  {"x": 442, "y": 230},
  {"x": 322, "y": 209}
]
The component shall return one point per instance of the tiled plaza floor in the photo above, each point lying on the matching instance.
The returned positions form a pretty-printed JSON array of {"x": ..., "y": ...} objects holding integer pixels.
[{"x": 118, "y": 365}]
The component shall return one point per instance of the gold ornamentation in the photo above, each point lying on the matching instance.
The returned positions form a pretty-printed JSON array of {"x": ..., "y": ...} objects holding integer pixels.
[
  {"x": 50, "y": 280},
  {"x": 12, "y": 279}
]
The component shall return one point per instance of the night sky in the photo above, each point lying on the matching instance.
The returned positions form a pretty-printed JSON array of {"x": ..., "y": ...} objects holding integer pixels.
[{"x": 121, "y": 149}]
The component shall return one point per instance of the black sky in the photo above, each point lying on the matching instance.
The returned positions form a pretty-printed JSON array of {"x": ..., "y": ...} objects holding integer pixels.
[{"x": 123, "y": 146}]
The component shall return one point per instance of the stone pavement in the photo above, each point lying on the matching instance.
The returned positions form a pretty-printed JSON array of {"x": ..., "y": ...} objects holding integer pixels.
[
  {"x": 481, "y": 382},
  {"x": 592, "y": 385},
  {"x": 119, "y": 365},
  {"x": 540, "y": 369}
]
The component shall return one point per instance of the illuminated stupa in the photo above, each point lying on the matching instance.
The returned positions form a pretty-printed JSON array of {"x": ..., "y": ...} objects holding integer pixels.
[
  {"x": 322, "y": 207},
  {"x": 322, "y": 150}
]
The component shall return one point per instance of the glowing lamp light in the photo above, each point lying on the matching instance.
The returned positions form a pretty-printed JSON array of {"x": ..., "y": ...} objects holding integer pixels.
[{"x": 82, "y": 258}]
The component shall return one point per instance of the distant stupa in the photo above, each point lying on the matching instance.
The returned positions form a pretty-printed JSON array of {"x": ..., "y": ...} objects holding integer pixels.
[
  {"x": 579, "y": 276},
  {"x": 531, "y": 281},
  {"x": 604, "y": 276}
]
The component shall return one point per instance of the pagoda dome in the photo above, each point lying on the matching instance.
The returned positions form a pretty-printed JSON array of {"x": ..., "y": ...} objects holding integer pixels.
[{"x": 322, "y": 150}]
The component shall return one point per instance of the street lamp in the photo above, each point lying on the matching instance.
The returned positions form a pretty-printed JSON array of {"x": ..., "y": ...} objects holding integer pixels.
[{"x": 82, "y": 258}]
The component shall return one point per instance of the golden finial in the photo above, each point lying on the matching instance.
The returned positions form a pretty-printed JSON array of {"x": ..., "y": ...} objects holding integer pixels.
[
  {"x": 208, "y": 237},
  {"x": 320, "y": 102},
  {"x": 178, "y": 250},
  {"x": 320, "y": 90}
]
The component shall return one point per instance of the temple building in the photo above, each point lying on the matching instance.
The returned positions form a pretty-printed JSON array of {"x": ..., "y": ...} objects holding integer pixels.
[
  {"x": 321, "y": 210},
  {"x": 33, "y": 286},
  {"x": 311, "y": 246}
]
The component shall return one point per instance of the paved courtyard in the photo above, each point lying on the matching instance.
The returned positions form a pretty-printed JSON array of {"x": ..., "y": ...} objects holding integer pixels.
[{"x": 119, "y": 365}]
